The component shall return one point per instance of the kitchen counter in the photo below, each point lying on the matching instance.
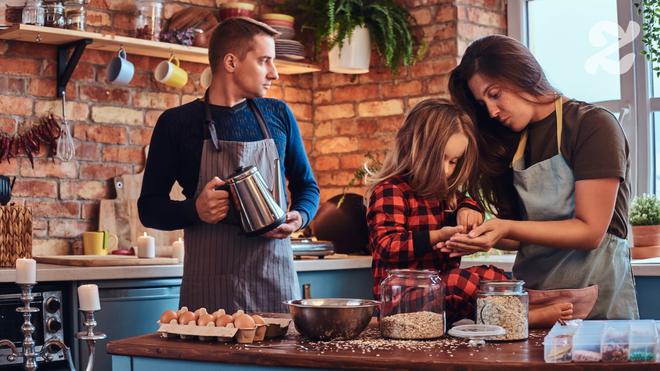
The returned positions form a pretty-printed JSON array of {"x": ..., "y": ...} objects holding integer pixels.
[{"x": 153, "y": 352}]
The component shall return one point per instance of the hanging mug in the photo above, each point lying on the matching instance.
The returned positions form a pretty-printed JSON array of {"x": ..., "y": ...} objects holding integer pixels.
[
  {"x": 169, "y": 73},
  {"x": 120, "y": 70}
]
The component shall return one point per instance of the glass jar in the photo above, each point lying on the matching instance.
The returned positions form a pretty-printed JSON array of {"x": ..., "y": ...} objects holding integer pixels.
[
  {"x": 33, "y": 13},
  {"x": 75, "y": 14},
  {"x": 504, "y": 304},
  {"x": 53, "y": 13},
  {"x": 11, "y": 12},
  {"x": 412, "y": 305},
  {"x": 148, "y": 22}
]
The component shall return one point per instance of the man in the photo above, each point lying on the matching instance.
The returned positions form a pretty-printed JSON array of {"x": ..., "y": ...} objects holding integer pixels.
[{"x": 203, "y": 142}]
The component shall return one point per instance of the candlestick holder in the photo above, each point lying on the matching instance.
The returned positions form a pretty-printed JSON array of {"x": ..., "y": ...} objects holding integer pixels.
[
  {"x": 29, "y": 353},
  {"x": 90, "y": 337}
]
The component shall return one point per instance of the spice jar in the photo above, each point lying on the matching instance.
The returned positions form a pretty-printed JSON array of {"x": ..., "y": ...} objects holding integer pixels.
[
  {"x": 33, "y": 13},
  {"x": 75, "y": 14},
  {"x": 148, "y": 22},
  {"x": 53, "y": 13},
  {"x": 11, "y": 12},
  {"x": 412, "y": 305},
  {"x": 504, "y": 304}
]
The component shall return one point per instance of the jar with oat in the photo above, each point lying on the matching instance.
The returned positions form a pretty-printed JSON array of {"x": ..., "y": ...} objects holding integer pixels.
[
  {"x": 149, "y": 18},
  {"x": 75, "y": 14},
  {"x": 412, "y": 305},
  {"x": 505, "y": 304}
]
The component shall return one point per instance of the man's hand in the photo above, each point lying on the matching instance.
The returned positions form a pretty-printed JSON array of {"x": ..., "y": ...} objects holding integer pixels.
[
  {"x": 212, "y": 205},
  {"x": 293, "y": 223},
  {"x": 469, "y": 218}
]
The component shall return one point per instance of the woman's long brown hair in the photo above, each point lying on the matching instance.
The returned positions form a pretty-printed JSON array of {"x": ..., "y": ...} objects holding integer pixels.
[
  {"x": 419, "y": 150},
  {"x": 506, "y": 60}
]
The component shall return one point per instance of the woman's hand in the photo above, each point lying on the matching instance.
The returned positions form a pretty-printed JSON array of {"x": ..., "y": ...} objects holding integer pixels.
[
  {"x": 482, "y": 238},
  {"x": 469, "y": 218}
]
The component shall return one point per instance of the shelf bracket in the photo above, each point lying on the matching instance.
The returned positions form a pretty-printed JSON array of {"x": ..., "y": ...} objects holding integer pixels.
[{"x": 67, "y": 64}]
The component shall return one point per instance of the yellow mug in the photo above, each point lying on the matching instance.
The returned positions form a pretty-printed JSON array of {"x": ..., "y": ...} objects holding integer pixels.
[
  {"x": 98, "y": 243},
  {"x": 169, "y": 73}
]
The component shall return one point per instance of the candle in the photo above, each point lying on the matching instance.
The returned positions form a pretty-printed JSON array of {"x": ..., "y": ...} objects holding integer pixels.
[
  {"x": 26, "y": 271},
  {"x": 88, "y": 297},
  {"x": 146, "y": 246},
  {"x": 177, "y": 250}
]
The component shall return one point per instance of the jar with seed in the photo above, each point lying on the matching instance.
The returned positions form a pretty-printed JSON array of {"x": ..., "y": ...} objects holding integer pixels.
[
  {"x": 75, "y": 13},
  {"x": 53, "y": 13},
  {"x": 505, "y": 304},
  {"x": 412, "y": 305},
  {"x": 149, "y": 18}
]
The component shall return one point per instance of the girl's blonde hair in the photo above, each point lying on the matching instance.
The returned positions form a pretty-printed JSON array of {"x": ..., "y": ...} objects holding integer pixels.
[{"x": 419, "y": 150}]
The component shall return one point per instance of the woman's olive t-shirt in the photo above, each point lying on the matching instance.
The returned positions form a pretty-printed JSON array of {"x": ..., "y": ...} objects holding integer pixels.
[{"x": 594, "y": 146}]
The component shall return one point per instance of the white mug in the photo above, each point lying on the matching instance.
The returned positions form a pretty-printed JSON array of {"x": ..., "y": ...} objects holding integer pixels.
[
  {"x": 206, "y": 78},
  {"x": 120, "y": 70}
]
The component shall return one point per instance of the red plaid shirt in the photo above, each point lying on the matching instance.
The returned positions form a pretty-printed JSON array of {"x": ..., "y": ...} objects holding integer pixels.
[{"x": 399, "y": 222}]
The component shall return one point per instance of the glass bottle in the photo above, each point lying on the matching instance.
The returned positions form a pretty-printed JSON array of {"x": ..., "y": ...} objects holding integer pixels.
[
  {"x": 412, "y": 305},
  {"x": 148, "y": 21},
  {"x": 53, "y": 13},
  {"x": 33, "y": 13},
  {"x": 75, "y": 14},
  {"x": 504, "y": 304}
]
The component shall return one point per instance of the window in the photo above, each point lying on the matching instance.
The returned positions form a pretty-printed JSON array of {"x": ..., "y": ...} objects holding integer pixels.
[{"x": 589, "y": 50}]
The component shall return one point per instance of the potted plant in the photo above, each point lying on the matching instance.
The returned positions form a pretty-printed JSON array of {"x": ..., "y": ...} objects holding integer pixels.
[
  {"x": 347, "y": 27},
  {"x": 645, "y": 221},
  {"x": 650, "y": 12}
]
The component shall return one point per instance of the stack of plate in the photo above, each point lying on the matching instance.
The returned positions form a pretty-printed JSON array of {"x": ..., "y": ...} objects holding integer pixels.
[
  {"x": 285, "y": 47},
  {"x": 236, "y": 9}
]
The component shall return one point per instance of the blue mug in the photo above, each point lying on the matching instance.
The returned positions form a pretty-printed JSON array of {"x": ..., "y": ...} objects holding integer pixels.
[{"x": 120, "y": 70}]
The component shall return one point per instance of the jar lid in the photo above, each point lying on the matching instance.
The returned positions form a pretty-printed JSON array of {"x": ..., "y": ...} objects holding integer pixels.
[
  {"x": 412, "y": 272},
  {"x": 501, "y": 286},
  {"x": 476, "y": 331}
]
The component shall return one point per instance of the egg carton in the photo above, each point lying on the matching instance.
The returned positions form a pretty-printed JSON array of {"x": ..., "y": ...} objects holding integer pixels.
[{"x": 274, "y": 327}]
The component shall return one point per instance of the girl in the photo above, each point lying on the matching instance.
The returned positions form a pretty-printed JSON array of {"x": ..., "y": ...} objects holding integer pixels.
[
  {"x": 557, "y": 173},
  {"x": 415, "y": 203}
]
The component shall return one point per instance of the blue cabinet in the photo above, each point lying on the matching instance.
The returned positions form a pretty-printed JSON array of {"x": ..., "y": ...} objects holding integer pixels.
[{"x": 349, "y": 283}]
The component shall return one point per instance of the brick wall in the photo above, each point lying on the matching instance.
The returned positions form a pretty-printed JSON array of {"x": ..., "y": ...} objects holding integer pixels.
[{"x": 342, "y": 117}]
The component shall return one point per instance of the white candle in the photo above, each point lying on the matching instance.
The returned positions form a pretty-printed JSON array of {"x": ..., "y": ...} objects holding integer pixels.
[
  {"x": 88, "y": 297},
  {"x": 177, "y": 250},
  {"x": 26, "y": 271},
  {"x": 146, "y": 246}
]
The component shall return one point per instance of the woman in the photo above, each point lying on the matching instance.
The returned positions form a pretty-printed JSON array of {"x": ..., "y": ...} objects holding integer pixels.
[{"x": 555, "y": 171}]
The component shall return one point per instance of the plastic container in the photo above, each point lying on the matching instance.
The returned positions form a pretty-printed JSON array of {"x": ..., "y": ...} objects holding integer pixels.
[
  {"x": 505, "y": 304},
  {"x": 643, "y": 339},
  {"x": 75, "y": 13},
  {"x": 615, "y": 343},
  {"x": 586, "y": 342},
  {"x": 54, "y": 14},
  {"x": 412, "y": 305},
  {"x": 149, "y": 20},
  {"x": 33, "y": 13},
  {"x": 558, "y": 344}
]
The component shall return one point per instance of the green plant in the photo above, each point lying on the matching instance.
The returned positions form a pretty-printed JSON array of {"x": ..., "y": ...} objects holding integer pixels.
[
  {"x": 650, "y": 12},
  {"x": 389, "y": 25},
  {"x": 645, "y": 210},
  {"x": 370, "y": 166}
]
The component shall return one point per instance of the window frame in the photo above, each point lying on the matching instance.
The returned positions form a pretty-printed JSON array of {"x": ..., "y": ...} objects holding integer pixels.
[{"x": 637, "y": 104}]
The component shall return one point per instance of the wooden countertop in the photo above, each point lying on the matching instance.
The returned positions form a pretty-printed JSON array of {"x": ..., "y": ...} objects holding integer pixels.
[{"x": 446, "y": 353}]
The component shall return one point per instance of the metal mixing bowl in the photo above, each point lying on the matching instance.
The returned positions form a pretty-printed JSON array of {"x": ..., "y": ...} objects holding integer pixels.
[{"x": 327, "y": 319}]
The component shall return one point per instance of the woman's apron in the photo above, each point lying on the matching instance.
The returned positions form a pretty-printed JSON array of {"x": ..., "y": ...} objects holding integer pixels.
[
  {"x": 224, "y": 269},
  {"x": 546, "y": 191}
]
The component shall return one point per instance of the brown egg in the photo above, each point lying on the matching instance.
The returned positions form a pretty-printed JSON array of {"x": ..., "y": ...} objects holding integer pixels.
[
  {"x": 219, "y": 313},
  {"x": 223, "y": 320},
  {"x": 183, "y": 309},
  {"x": 205, "y": 319},
  {"x": 259, "y": 320},
  {"x": 244, "y": 321},
  {"x": 199, "y": 312},
  {"x": 186, "y": 317},
  {"x": 168, "y": 316},
  {"x": 238, "y": 313}
]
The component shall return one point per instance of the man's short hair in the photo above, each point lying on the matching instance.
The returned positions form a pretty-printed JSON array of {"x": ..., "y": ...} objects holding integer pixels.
[{"x": 236, "y": 36}]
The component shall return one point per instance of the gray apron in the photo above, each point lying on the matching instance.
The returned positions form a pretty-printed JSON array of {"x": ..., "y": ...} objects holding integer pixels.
[
  {"x": 546, "y": 191},
  {"x": 224, "y": 269}
]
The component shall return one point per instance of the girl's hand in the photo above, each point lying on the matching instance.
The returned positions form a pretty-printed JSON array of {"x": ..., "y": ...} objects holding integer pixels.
[
  {"x": 469, "y": 218},
  {"x": 482, "y": 238}
]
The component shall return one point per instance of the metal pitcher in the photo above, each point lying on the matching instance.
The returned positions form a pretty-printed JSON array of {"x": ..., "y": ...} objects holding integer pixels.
[{"x": 260, "y": 210}]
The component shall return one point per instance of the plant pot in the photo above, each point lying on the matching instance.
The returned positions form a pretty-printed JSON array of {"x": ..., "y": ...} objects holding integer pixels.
[
  {"x": 355, "y": 54},
  {"x": 646, "y": 235},
  {"x": 645, "y": 252}
]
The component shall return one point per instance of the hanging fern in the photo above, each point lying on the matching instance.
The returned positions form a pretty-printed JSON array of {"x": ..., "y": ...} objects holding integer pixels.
[
  {"x": 334, "y": 21},
  {"x": 650, "y": 12}
]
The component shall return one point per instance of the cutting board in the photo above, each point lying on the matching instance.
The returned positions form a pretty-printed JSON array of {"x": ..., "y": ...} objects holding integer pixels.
[
  {"x": 102, "y": 261},
  {"x": 120, "y": 216}
]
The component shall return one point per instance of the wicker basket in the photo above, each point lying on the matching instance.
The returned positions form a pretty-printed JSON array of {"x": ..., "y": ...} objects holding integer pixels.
[{"x": 15, "y": 234}]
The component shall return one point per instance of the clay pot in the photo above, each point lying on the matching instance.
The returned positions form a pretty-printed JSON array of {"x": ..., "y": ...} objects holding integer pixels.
[{"x": 646, "y": 235}]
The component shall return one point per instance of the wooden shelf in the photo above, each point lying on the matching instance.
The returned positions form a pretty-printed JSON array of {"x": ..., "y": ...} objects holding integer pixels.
[{"x": 111, "y": 43}]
